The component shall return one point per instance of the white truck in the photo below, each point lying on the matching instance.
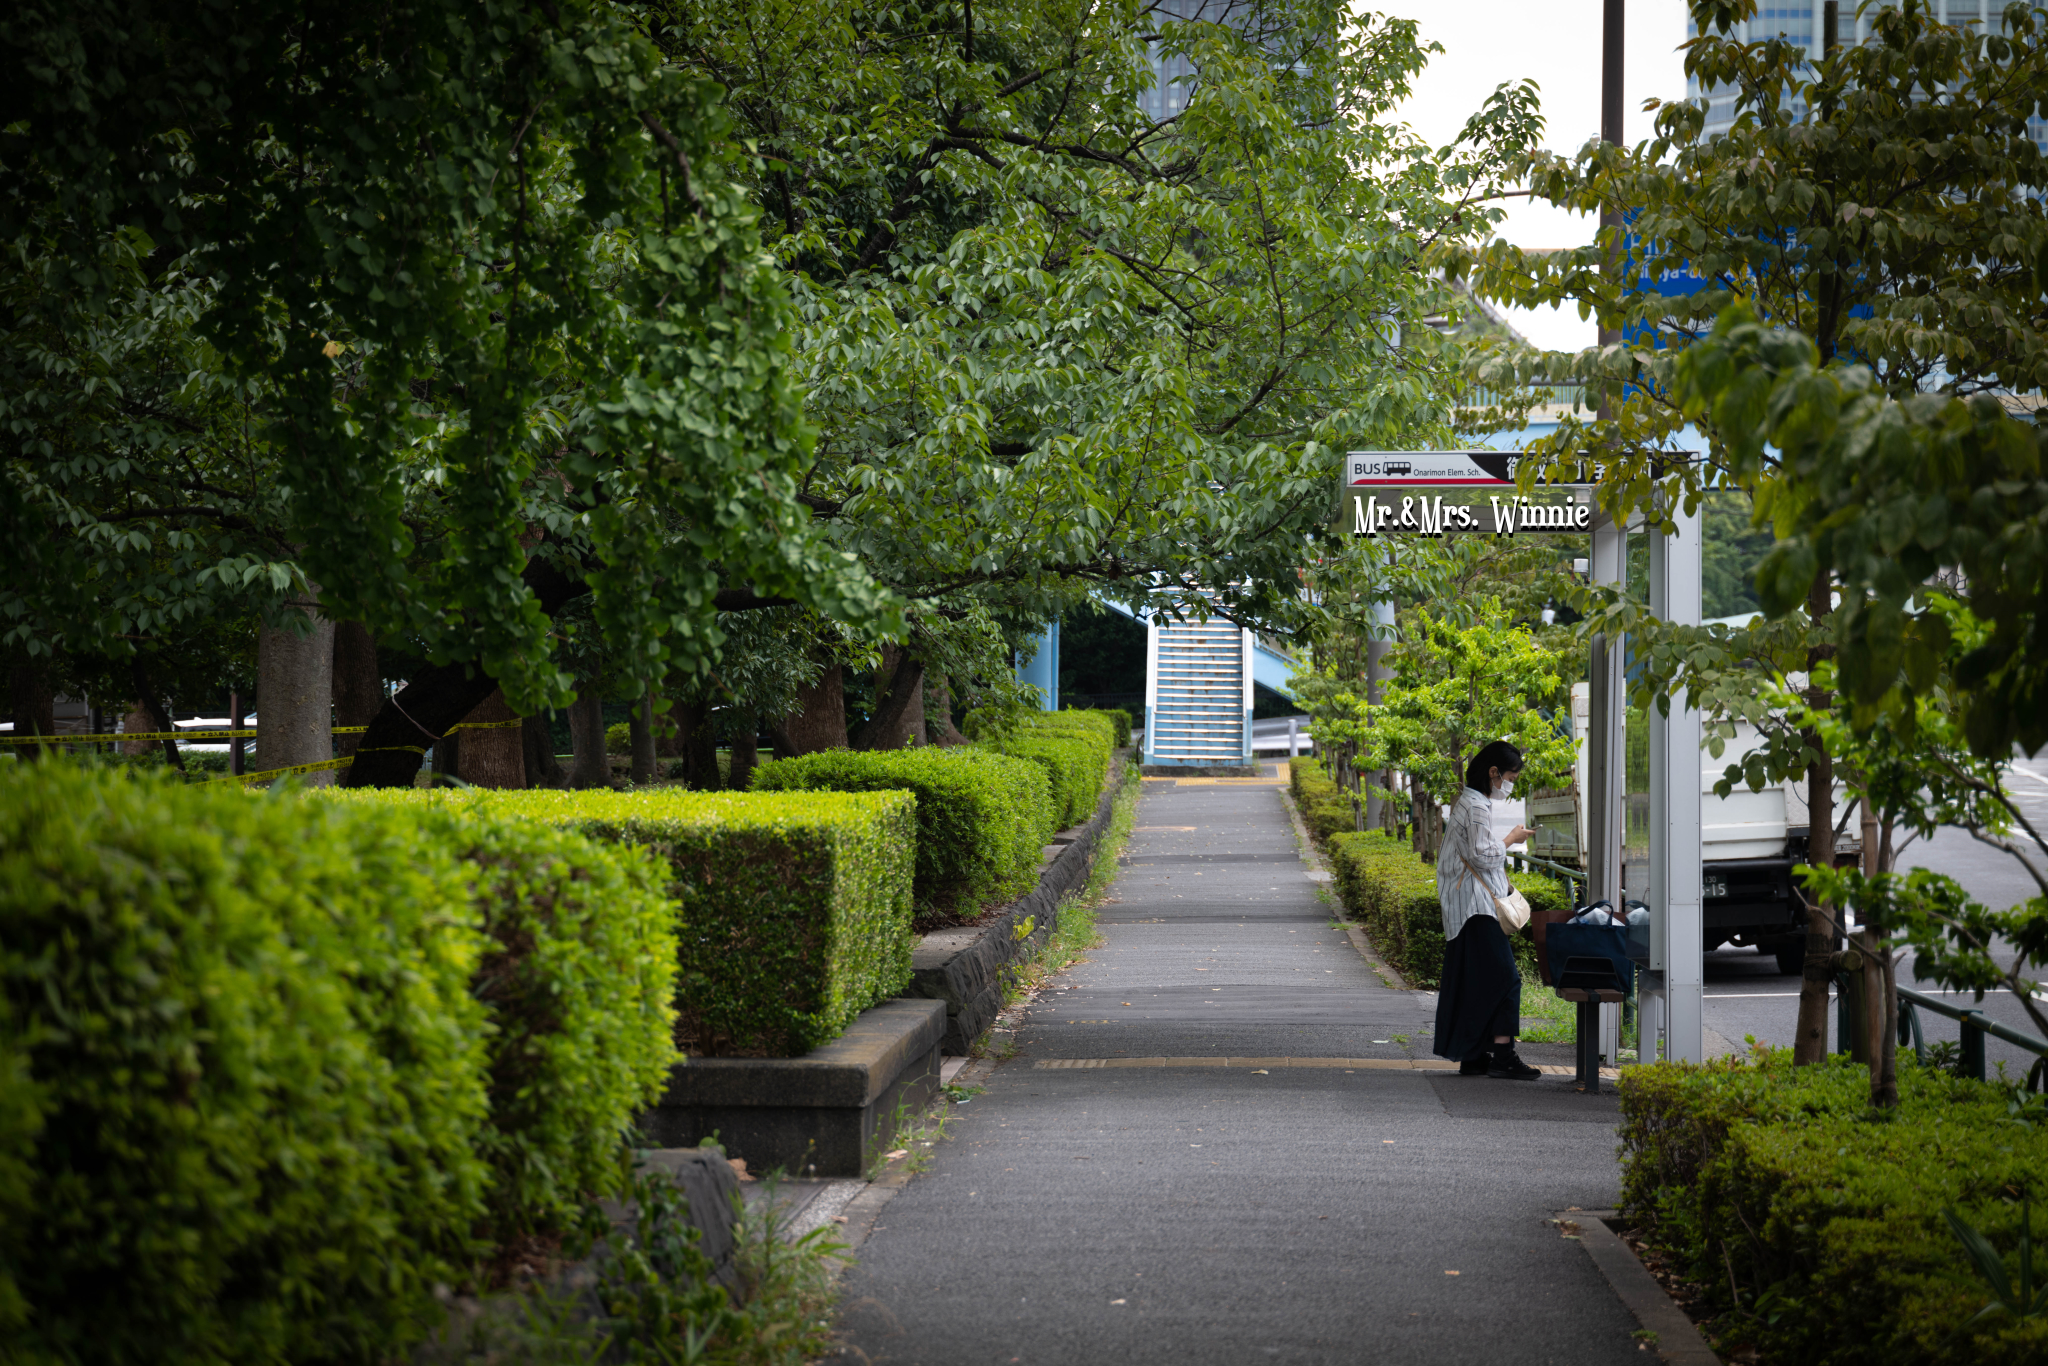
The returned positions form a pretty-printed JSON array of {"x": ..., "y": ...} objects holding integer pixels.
[{"x": 1749, "y": 844}]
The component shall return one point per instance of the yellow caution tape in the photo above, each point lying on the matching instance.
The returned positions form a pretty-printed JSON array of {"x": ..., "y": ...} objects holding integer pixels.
[
  {"x": 271, "y": 773},
  {"x": 250, "y": 733}
]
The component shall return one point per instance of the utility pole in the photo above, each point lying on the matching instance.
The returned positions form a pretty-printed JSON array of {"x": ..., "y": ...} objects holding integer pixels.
[{"x": 1606, "y": 773}]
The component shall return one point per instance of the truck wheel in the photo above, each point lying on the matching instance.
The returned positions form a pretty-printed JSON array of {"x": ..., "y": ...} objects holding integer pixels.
[{"x": 1792, "y": 962}]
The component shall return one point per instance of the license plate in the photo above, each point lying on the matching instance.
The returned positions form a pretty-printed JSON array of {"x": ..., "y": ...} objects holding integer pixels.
[{"x": 1713, "y": 888}]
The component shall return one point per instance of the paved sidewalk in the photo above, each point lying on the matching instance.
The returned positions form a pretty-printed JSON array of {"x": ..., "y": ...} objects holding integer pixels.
[{"x": 1169, "y": 1213}]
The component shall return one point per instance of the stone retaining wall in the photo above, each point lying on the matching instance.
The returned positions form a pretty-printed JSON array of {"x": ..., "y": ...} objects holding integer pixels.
[{"x": 964, "y": 967}]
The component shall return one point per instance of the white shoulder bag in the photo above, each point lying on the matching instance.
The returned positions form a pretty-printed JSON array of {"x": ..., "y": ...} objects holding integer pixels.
[{"x": 1512, "y": 910}]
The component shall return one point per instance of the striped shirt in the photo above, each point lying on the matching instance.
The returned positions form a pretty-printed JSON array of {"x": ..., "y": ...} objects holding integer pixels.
[{"x": 1469, "y": 837}]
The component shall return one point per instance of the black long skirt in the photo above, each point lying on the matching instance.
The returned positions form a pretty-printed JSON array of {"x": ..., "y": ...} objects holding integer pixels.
[{"x": 1480, "y": 997}]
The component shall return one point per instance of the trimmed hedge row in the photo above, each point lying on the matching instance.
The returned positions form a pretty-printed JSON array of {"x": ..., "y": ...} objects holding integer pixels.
[
  {"x": 982, "y": 817},
  {"x": 1119, "y": 721},
  {"x": 1074, "y": 749},
  {"x": 1387, "y": 887},
  {"x": 578, "y": 972},
  {"x": 1816, "y": 1226},
  {"x": 1325, "y": 808},
  {"x": 792, "y": 914},
  {"x": 276, "y": 1067}
]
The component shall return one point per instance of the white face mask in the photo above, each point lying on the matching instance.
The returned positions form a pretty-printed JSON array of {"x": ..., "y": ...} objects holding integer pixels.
[{"x": 1502, "y": 789}]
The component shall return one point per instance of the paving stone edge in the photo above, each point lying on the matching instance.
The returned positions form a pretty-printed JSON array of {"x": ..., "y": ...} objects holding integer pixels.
[{"x": 1678, "y": 1340}]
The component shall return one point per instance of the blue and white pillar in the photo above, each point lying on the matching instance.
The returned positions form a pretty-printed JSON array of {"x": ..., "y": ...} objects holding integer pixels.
[{"x": 1042, "y": 670}]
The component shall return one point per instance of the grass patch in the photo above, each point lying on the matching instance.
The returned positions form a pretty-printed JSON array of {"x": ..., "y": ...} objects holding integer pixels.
[
  {"x": 913, "y": 1134},
  {"x": 1546, "y": 1017},
  {"x": 649, "y": 1299},
  {"x": 1075, "y": 933},
  {"x": 1549, "y": 1018}
]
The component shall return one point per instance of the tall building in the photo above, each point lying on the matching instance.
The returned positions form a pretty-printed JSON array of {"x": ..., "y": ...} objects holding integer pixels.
[
  {"x": 1173, "y": 76},
  {"x": 1800, "y": 22}
]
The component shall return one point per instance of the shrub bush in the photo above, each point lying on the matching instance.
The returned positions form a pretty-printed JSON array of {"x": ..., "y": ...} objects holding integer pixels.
[
  {"x": 618, "y": 738},
  {"x": 578, "y": 973},
  {"x": 1074, "y": 749},
  {"x": 1120, "y": 722},
  {"x": 254, "y": 1067},
  {"x": 794, "y": 910},
  {"x": 982, "y": 818},
  {"x": 1814, "y": 1225},
  {"x": 1325, "y": 808},
  {"x": 1389, "y": 890}
]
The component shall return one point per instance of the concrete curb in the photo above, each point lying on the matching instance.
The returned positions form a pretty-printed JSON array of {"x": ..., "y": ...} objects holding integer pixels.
[
  {"x": 965, "y": 967},
  {"x": 862, "y": 1212},
  {"x": 1677, "y": 1339},
  {"x": 817, "y": 1115}
]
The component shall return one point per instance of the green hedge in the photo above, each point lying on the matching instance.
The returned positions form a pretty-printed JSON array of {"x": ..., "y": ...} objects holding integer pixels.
[
  {"x": 1074, "y": 749},
  {"x": 983, "y": 819},
  {"x": 794, "y": 909},
  {"x": 1325, "y": 808},
  {"x": 1119, "y": 722},
  {"x": 1779, "y": 1185},
  {"x": 578, "y": 972},
  {"x": 1387, "y": 887},
  {"x": 254, "y": 1072}
]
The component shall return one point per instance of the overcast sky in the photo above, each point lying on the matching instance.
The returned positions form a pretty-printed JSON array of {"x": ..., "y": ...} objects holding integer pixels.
[{"x": 1557, "y": 44}]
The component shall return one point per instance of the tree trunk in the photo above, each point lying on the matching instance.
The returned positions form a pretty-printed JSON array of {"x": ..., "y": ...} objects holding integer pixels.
[
  {"x": 695, "y": 745},
  {"x": 447, "y": 754},
  {"x": 819, "y": 722},
  {"x": 493, "y": 756},
  {"x": 939, "y": 727},
  {"x": 438, "y": 697},
  {"x": 1376, "y": 675},
  {"x": 32, "y": 703},
  {"x": 155, "y": 715},
  {"x": 642, "y": 725},
  {"x": 672, "y": 730},
  {"x": 358, "y": 684},
  {"x": 295, "y": 696},
  {"x": 898, "y": 720},
  {"x": 592, "y": 766},
  {"x": 1884, "y": 1078},
  {"x": 135, "y": 721},
  {"x": 1810, "y": 1041},
  {"x": 537, "y": 738},
  {"x": 745, "y": 752},
  {"x": 700, "y": 753},
  {"x": 238, "y": 753}
]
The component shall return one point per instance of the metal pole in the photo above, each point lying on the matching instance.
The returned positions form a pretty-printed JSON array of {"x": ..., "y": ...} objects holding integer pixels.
[
  {"x": 1610, "y": 71},
  {"x": 1676, "y": 913},
  {"x": 1606, "y": 761},
  {"x": 1376, "y": 675}
]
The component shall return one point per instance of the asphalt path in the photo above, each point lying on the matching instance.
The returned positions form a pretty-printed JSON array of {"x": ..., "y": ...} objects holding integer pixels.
[{"x": 1192, "y": 1214}]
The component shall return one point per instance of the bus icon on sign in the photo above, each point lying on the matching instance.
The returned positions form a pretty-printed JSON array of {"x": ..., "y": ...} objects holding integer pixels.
[{"x": 1398, "y": 468}]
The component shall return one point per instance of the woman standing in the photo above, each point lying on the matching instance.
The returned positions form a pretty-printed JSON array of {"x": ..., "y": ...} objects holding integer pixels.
[{"x": 1479, "y": 1002}]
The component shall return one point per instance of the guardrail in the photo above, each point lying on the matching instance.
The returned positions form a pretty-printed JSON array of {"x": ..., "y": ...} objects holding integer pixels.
[
  {"x": 1528, "y": 861},
  {"x": 1976, "y": 1024}
]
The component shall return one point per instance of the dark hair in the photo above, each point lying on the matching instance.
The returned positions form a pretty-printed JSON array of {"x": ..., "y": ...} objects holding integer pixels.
[{"x": 1501, "y": 755}]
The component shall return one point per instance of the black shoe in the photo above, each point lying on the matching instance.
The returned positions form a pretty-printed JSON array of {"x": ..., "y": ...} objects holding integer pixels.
[
  {"x": 1475, "y": 1067},
  {"x": 1508, "y": 1067}
]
